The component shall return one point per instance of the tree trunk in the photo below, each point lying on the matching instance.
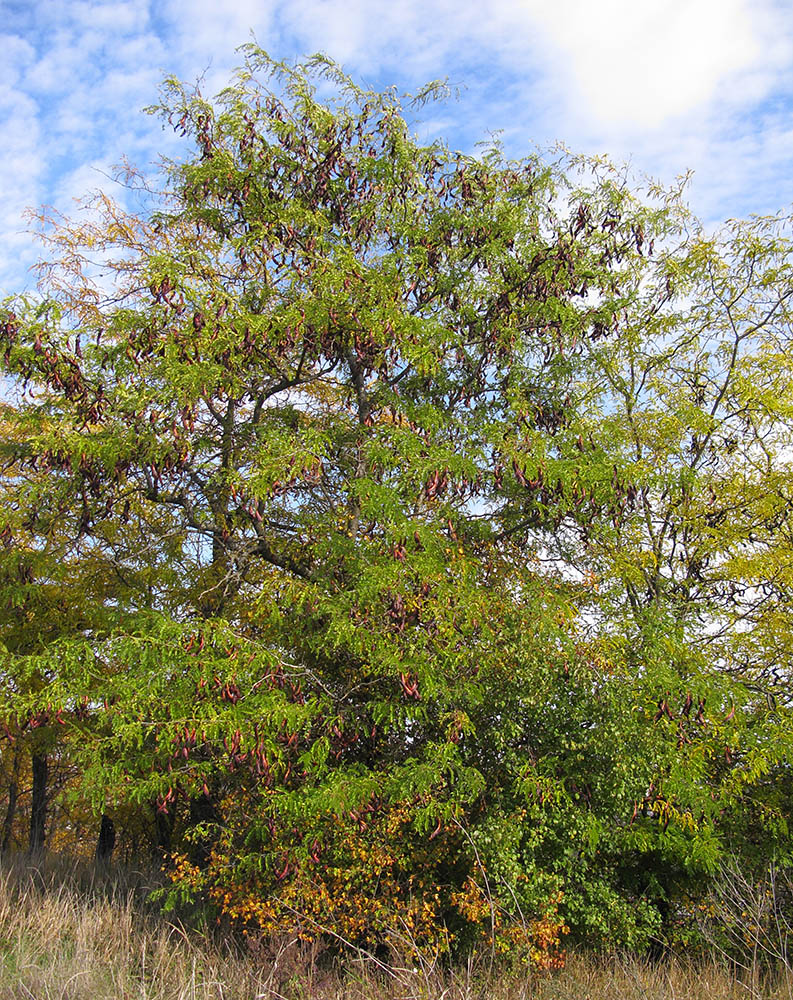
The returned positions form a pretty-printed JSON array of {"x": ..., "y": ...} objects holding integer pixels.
[
  {"x": 11, "y": 808},
  {"x": 202, "y": 810},
  {"x": 106, "y": 840},
  {"x": 38, "y": 807},
  {"x": 163, "y": 822}
]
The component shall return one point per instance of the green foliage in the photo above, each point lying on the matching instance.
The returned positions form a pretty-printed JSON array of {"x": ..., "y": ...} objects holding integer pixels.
[{"x": 405, "y": 534}]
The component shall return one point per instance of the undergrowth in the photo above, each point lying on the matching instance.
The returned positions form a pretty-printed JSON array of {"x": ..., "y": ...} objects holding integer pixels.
[{"x": 84, "y": 933}]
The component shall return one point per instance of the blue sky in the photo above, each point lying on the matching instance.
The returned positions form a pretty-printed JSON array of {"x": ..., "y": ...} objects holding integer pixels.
[{"x": 671, "y": 85}]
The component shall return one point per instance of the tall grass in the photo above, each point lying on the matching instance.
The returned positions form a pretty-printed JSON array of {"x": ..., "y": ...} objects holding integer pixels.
[{"x": 83, "y": 934}]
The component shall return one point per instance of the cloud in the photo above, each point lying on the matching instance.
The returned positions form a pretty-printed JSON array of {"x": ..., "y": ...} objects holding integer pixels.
[
  {"x": 613, "y": 63},
  {"x": 202, "y": 35},
  {"x": 642, "y": 64},
  {"x": 80, "y": 72},
  {"x": 673, "y": 83},
  {"x": 22, "y": 165}
]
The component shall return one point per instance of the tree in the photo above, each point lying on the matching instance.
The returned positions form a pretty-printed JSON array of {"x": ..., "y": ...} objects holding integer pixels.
[
  {"x": 345, "y": 446},
  {"x": 52, "y": 586}
]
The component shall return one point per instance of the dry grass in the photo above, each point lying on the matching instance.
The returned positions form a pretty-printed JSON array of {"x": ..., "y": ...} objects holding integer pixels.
[
  {"x": 89, "y": 938},
  {"x": 75, "y": 936}
]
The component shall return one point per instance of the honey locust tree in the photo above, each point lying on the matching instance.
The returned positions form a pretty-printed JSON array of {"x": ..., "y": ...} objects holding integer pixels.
[{"x": 331, "y": 421}]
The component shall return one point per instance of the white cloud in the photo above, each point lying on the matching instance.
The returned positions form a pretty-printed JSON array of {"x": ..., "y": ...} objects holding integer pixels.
[
  {"x": 643, "y": 63},
  {"x": 706, "y": 84},
  {"x": 613, "y": 63},
  {"x": 17, "y": 54},
  {"x": 22, "y": 165},
  {"x": 113, "y": 18},
  {"x": 204, "y": 34}
]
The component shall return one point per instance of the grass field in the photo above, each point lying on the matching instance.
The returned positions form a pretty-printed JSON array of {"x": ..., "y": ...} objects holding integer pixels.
[{"x": 78, "y": 934}]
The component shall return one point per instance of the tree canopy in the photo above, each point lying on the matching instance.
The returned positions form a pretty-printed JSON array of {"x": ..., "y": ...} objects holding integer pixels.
[{"x": 398, "y": 539}]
